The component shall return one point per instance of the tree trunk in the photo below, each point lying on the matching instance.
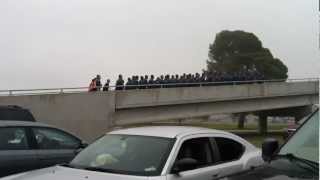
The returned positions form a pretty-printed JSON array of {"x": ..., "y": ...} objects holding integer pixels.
[
  {"x": 263, "y": 124},
  {"x": 242, "y": 118}
]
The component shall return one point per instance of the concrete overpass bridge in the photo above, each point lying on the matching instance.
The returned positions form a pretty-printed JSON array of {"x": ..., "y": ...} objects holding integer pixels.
[{"x": 91, "y": 114}]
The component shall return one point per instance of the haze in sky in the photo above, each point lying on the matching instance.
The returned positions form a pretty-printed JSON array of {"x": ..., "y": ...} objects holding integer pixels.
[{"x": 59, "y": 43}]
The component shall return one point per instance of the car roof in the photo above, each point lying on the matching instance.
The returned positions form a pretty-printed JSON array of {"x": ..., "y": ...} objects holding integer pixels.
[
  {"x": 11, "y": 107},
  {"x": 8, "y": 123},
  {"x": 165, "y": 131}
]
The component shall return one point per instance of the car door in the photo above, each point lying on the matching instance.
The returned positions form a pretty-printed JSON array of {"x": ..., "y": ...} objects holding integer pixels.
[
  {"x": 16, "y": 154},
  {"x": 200, "y": 149},
  {"x": 54, "y": 146},
  {"x": 229, "y": 153}
]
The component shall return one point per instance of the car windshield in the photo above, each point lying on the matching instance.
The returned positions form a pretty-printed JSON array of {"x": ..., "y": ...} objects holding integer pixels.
[
  {"x": 125, "y": 154},
  {"x": 305, "y": 142}
]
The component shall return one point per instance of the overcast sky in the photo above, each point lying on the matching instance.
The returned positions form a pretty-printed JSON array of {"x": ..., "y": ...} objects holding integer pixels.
[{"x": 65, "y": 43}]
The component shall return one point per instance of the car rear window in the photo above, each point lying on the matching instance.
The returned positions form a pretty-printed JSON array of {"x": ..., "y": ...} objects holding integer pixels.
[{"x": 13, "y": 139}]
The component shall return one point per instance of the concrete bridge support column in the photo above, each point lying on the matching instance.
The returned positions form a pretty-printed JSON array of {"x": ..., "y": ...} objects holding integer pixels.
[
  {"x": 263, "y": 124},
  {"x": 241, "y": 120}
]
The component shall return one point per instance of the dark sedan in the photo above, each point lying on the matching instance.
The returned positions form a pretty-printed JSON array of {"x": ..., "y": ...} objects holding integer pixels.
[{"x": 30, "y": 145}]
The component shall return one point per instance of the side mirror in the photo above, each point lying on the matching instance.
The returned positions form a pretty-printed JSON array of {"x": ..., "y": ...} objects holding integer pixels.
[
  {"x": 184, "y": 165},
  {"x": 82, "y": 145},
  {"x": 269, "y": 147}
]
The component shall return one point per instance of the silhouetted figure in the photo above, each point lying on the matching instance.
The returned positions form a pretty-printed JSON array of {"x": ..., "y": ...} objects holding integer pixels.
[
  {"x": 171, "y": 81},
  {"x": 129, "y": 84},
  {"x": 98, "y": 83},
  {"x": 106, "y": 85},
  {"x": 141, "y": 83},
  {"x": 183, "y": 80},
  {"x": 120, "y": 83},
  {"x": 135, "y": 82},
  {"x": 166, "y": 81},
  {"x": 189, "y": 80},
  {"x": 151, "y": 82},
  {"x": 161, "y": 81},
  {"x": 210, "y": 79},
  {"x": 158, "y": 83},
  {"x": 203, "y": 78},
  {"x": 177, "y": 80},
  {"x": 145, "y": 81}
]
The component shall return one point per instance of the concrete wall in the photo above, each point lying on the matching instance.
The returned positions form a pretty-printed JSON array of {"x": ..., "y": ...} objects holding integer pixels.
[
  {"x": 183, "y": 111},
  {"x": 173, "y": 96},
  {"x": 87, "y": 115},
  {"x": 151, "y": 105}
]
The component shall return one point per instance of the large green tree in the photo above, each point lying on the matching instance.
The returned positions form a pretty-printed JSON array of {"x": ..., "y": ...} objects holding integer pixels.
[{"x": 234, "y": 50}]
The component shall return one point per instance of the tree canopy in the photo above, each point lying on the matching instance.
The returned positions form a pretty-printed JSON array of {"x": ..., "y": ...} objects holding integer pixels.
[{"x": 233, "y": 51}]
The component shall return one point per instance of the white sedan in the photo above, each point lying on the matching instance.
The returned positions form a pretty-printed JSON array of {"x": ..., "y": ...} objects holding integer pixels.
[{"x": 156, "y": 153}]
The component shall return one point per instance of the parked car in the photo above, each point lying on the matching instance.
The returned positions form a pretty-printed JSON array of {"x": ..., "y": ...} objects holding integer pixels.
[
  {"x": 31, "y": 145},
  {"x": 297, "y": 159},
  {"x": 166, "y": 153},
  {"x": 15, "y": 113}
]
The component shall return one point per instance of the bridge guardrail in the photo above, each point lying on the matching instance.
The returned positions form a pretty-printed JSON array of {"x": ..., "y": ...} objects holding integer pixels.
[{"x": 15, "y": 92}]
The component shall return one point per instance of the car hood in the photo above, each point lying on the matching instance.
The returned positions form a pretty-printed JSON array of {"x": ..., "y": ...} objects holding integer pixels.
[
  {"x": 280, "y": 169},
  {"x": 59, "y": 172}
]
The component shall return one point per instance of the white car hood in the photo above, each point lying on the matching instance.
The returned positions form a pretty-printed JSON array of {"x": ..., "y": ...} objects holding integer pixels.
[{"x": 65, "y": 173}]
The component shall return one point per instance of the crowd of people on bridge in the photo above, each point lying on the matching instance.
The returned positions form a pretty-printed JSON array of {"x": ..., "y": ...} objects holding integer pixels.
[{"x": 184, "y": 80}]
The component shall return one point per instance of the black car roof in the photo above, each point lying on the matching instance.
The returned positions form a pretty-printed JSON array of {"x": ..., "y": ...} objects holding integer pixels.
[
  {"x": 14, "y": 113},
  {"x": 10, "y": 107}
]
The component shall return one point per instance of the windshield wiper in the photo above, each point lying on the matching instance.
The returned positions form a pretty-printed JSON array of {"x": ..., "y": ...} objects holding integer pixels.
[
  {"x": 99, "y": 169},
  {"x": 313, "y": 165},
  {"x": 69, "y": 165}
]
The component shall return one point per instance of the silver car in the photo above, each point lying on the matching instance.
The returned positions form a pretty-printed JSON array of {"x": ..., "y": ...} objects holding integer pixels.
[{"x": 156, "y": 153}]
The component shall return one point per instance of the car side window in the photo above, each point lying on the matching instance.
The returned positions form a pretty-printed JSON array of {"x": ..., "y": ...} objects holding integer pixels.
[
  {"x": 229, "y": 149},
  {"x": 13, "y": 139},
  {"x": 48, "y": 138},
  {"x": 198, "y": 149}
]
